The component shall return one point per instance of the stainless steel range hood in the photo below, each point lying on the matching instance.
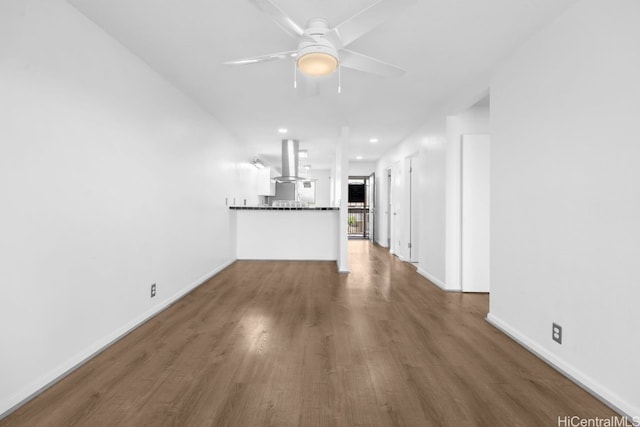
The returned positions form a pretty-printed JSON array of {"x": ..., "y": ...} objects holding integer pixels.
[{"x": 290, "y": 156}]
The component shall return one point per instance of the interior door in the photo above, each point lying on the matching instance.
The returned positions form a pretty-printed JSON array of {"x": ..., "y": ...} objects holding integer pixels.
[
  {"x": 413, "y": 208},
  {"x": 475, "y": 213},
  {"x": 388, "y": 212},
  {"x": 397, "y": 197}
]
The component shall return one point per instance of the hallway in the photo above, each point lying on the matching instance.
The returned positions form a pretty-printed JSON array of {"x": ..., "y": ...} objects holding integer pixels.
[{"x": 296, "y": 343}]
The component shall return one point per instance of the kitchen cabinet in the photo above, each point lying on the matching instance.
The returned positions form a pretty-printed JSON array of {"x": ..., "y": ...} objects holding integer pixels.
[{"x": 266, "y": 184}]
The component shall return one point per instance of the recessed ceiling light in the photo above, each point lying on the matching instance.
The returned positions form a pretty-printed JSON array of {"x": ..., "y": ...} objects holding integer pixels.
[
  {"x": 358, "y": 157},
  {"x": 282, "y": 130},
  {"x": 373, "y": 140}
]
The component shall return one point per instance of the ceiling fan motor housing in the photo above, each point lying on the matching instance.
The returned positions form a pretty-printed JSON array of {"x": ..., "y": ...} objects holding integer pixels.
[{"x": 316, "y": 55}]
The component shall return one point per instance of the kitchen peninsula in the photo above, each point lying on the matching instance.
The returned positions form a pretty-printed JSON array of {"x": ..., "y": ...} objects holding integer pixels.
[{"x": 285, "y": 233}]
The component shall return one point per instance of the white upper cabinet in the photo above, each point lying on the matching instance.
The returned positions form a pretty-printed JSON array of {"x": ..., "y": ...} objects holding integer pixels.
[{"x": 266, "y": 185}]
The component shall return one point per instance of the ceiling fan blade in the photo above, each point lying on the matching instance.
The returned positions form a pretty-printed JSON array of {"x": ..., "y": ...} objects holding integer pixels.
[
  {"x": 264, "y": 58},
  {"x": 365, "y": 21},
  {"x": 282, "y": 19},
  {"x": 360, "y": 62}
]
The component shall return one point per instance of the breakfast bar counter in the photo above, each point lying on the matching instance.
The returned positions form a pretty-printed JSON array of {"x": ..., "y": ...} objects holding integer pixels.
[{"x": 285, "y": 233}]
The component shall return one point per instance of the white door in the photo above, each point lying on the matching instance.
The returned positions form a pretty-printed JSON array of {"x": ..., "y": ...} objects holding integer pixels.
[
  {"x": 388, "y": 211},
  {"x": 475, "y": 213},
  {"x": 413, "y": 207},
  {"x": 397, "y": 198}
]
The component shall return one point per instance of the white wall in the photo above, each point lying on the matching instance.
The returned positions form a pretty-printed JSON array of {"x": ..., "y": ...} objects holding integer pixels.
[
  {"x": 111, "y": 180},
  {"x": 437, "y": 173},
  {"x": 245, "y": 181},
  {"x": 432, "y": 186},
  {"x": 565, "y": 198},
  {"x": 475, "y": 217},
  {"x": 361, "y": 168}
]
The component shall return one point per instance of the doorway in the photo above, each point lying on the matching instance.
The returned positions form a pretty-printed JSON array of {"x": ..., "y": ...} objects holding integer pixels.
[
  {"x": 360, "y": 205},
  {"x": 371, "y": 198}
]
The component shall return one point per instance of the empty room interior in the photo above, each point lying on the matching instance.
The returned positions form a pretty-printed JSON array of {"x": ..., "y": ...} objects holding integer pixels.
[{"x": 319, "y": 213}]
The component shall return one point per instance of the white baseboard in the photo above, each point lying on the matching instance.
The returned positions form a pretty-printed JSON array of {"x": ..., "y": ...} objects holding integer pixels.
[
  {"x": 593, "y": 387},
  {"x": 342, "y": 270},
  {"x": 430, "y": 277},
  {"x": 41, "y": 384},
  {"x": 384, "y": 245}
]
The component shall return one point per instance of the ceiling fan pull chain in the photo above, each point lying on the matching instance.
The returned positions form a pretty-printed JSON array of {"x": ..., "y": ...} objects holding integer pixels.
[
  {"x": 295, "y": 75},
  {"x": 339, "y": 79}
]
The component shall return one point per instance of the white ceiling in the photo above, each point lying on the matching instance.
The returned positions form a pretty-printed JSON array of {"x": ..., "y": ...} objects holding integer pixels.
[{"x": 444, "y": 44}]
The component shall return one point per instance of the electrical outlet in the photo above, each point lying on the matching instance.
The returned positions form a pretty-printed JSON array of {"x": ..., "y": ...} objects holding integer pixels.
[
  {"x": 153, "y": 290},
  {"x": 556, "y": 333}
]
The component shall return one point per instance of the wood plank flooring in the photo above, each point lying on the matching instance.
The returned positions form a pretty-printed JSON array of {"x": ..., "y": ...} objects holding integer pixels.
[{"x": 297, "y": 344}]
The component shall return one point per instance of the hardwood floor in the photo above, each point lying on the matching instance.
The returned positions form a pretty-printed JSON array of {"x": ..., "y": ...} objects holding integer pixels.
[{"x": 296, "y": 343}]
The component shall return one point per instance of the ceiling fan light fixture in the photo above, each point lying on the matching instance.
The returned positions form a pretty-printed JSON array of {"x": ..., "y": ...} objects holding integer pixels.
[
  {"x": 317, "y": 57},
  {"x": 317, "y": 64}
]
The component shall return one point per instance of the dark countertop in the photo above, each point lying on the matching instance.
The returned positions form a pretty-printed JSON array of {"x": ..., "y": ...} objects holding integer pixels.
[{"x": 283, "y": 208}]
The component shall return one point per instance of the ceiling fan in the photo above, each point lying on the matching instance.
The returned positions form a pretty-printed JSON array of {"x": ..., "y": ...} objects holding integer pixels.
[{"x": 321, "y": 49}]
